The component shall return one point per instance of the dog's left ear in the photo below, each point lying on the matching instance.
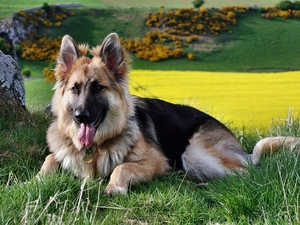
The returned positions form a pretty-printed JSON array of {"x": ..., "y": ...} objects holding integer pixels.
[
  {"x": 111, "y": 52},
  {"x": 69, "y": 52}
]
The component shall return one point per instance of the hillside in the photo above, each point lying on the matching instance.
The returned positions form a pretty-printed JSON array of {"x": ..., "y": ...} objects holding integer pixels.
[
  {"x": 15, "y": 5},
  {"x": 255, "y": 44}
]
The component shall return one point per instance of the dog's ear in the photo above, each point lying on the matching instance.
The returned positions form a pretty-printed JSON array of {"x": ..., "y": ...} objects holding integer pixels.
[
  {"x": 69, "y": 52},
  {"x": 111, "y": 52}
]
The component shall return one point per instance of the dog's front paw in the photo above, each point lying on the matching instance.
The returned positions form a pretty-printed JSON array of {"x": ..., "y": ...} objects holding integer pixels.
[{"x": 112, "y": 189}]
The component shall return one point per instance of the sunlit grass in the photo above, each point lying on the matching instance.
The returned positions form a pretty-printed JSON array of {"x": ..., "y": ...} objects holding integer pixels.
[{"x": 242, "y": 99}]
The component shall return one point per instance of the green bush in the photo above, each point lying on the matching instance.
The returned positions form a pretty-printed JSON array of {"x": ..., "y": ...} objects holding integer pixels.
[
  {"x": 285, "y": 5},
  {"x": 46, "y": 7},
  {"x": 18, "y": 49},
  {"x": 297, "y": 5},
  {"x": 4, "y": 46},
  {"x": 26, "y": 72},
  {"x": 198, "y": 3}
]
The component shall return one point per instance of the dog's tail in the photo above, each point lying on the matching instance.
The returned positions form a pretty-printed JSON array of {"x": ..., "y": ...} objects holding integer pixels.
[{"x": 273, "y": 144}]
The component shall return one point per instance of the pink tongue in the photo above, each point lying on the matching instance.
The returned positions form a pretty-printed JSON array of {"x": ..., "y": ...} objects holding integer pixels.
[{"x": 86, "y": 134}]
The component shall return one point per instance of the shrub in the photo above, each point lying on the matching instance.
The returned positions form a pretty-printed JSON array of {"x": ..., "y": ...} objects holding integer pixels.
[
  {"x": 190, "y": 56},
  {"x": 198, "y": 3},
  {"x": 47, "y": 16},
  {"x": 273, "y": 12},
  {"x": 297, "y": 5},
  {"x": 4, "y": 46},
  {"x": 285, "y": 5},
  {"x": 153, "y": 46},
  {"x": 187, "y": 21},
  {"x": 49, "y": 73},
  {"x": 46, "y": 7},
  {"x": 26, "y": 72},
  {"x": 40, "y": 48},
  {"x": 18, "y": 49}
]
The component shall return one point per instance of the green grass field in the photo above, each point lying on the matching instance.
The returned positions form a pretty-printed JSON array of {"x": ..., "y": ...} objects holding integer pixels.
[
  {"x": 38, "y": 94},
  {"x": 258, "y": 3},
  {"x": 7, "y": 7},
  {"x": 268, "y": 194},
  {"x": 255, "y": 44}
]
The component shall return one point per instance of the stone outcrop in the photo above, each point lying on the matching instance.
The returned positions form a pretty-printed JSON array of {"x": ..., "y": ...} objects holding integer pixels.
[
  {"x": 15, "y": 29},
  {"x": 12, "y": 90}
]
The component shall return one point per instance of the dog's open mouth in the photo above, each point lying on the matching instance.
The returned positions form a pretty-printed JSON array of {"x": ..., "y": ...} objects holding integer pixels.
[{"x": 87, "y": 131}]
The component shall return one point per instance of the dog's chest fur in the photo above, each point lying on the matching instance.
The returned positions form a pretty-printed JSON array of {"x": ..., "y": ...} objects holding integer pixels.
[{"x": 106, "y": 156}]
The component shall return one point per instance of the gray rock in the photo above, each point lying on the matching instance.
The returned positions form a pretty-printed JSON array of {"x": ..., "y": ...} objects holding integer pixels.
[
  {"x": 15, "y": 29},
  {"x": 12, "y": 89}
]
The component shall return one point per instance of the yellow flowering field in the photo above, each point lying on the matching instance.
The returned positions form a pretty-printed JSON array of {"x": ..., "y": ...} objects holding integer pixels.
[{"x": 241, "y": 99}]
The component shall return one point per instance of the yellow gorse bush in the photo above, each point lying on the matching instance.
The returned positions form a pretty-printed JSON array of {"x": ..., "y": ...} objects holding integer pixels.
[
  {"x": 40, "y": 48},
  {"x": 47, "y": 16},
  {"x": 272, "y": 12},
  {"x": 178, "y": 28},
  {"x": 49, "y": 75},
  {"x": 188, "y": 21},
  {"x": 152, "y": 46}
]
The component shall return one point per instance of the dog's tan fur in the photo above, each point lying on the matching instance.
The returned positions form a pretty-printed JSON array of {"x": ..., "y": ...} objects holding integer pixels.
[{"x": 120, "y": 148}]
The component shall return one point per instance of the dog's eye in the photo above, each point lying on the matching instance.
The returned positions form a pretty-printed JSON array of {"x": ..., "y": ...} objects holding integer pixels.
[
  {"x": 97, "y": 87},
  {"x": 74, "y": 90}
]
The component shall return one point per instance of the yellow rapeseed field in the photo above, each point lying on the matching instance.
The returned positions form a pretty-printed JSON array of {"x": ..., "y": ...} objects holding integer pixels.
[{"x": 244, "y": 100}]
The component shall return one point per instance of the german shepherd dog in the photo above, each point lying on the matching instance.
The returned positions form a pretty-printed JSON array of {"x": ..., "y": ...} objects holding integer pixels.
[{"x": 99, "y": 129}]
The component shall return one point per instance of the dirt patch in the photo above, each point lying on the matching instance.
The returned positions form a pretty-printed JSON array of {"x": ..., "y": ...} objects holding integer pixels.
[
  {"x": 201, "y": 47},
  {"x": 204, "y": 43},
  {"x": 123, "y": 18}
]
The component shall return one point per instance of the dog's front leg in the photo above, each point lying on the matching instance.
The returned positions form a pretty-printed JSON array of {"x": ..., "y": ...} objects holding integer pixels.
[
  {"x": 128, "y": 173},
  {"x": 49, "y": 166},
  {"x": 142, "y": 164}
]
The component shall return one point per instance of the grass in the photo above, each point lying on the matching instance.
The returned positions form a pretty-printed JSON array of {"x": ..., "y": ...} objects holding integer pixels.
[
  {"x": 258, "y": 3},
  {"x": 9, "y": 7},
  {"x": 268, "y": 194},
  {"x": 38, "y": 94},
  {"x": 171, "y": 199},
  {"x": 259, "y": 45},
  {"x": 256, "y": 44},
  {"x": 126, "y": 22},
  {"x": 36, "y": 67}
]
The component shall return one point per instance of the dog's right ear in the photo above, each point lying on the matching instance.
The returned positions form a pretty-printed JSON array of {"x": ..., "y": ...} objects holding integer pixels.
[
  {"x": 69, "y": 53},
  {"x": 111, "y": 52}
]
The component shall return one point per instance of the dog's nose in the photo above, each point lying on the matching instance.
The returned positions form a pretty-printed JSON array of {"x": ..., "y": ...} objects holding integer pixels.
[{"x": 82, "y": 116}]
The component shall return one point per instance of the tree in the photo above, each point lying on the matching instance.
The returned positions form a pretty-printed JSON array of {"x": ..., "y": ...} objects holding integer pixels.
[
  {"x": 285, "y": 5},
  {"x": 198, "y": 3},
  {"x": 297, "y": 5}
]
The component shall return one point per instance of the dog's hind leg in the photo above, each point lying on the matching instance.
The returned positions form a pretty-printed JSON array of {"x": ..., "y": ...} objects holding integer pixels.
[
  {"x": 49, "y": 166},
  {"x": 213, "y": 154},
  {"x": 142, "y": 164}
]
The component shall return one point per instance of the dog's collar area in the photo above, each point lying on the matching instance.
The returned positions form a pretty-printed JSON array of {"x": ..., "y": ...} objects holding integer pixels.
[{"x": 89, "y": 156}]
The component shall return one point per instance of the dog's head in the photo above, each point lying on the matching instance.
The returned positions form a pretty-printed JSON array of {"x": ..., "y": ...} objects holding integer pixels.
[{"x": 91, "y": 96}]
